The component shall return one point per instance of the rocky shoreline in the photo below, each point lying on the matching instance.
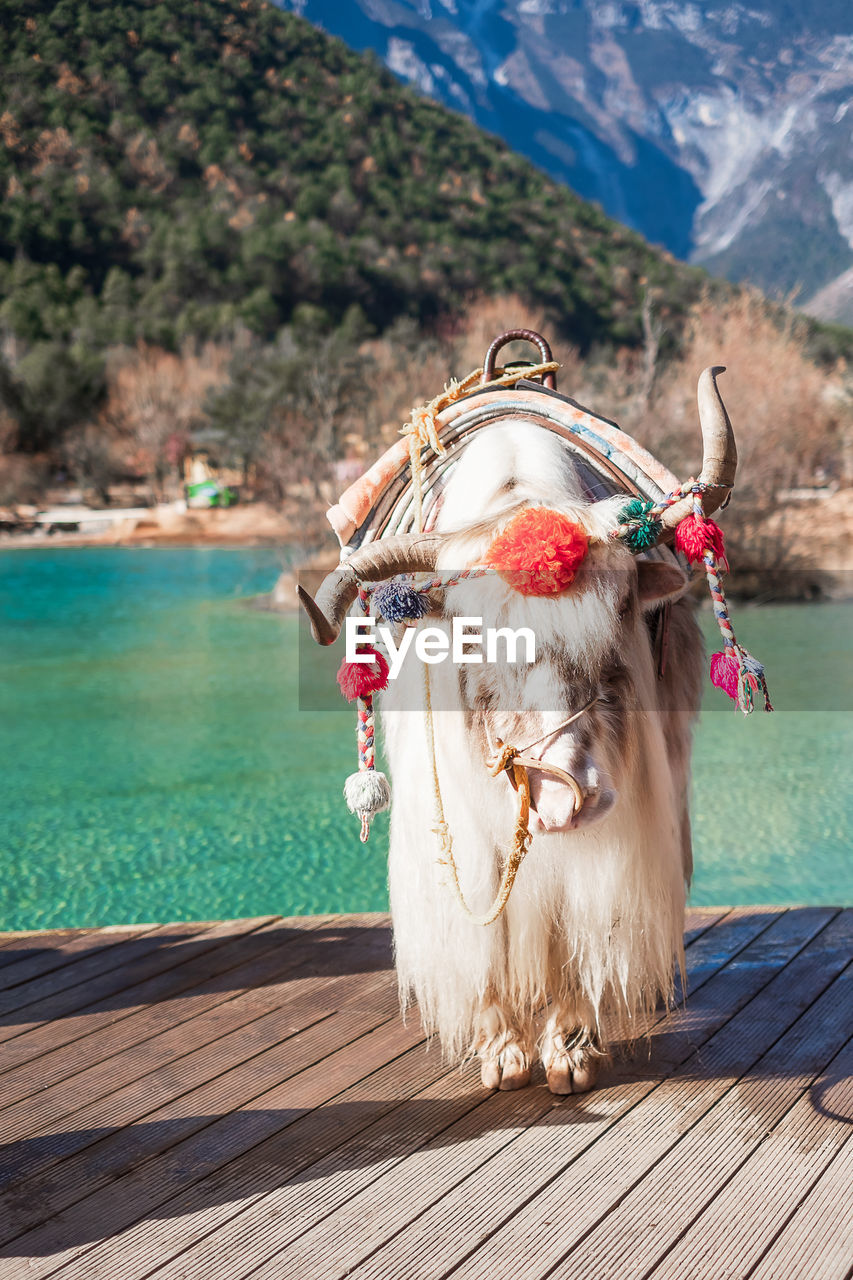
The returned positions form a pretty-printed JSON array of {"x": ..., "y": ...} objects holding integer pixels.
[
  {"x": 803, "y": 551},
  {"x": 251, "y": 525}
]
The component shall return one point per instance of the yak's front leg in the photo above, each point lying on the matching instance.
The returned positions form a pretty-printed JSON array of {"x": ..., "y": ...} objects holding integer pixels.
[
  {"x": 504, "y": 1050},
  {"x": 571, "y": 1053}
]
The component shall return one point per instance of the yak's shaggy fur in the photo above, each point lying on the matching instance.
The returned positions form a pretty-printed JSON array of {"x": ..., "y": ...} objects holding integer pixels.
[{"x": 594, "y": 923}]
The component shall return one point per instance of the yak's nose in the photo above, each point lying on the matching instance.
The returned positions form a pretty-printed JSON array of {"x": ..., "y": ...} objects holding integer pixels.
[
  {"x": 553, "y": 801},
  {"x": 556, "y": 809}
]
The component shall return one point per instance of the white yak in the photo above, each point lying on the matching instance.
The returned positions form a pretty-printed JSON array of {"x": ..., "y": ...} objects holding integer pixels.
[{"x": 593, "y": 926}]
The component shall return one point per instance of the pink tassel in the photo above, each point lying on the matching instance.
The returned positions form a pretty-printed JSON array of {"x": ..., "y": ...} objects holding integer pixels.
[
  {"x": 359, "y": 679},
  {"x": 695, "y": 534},
  {"x": 725, "y": 672}
]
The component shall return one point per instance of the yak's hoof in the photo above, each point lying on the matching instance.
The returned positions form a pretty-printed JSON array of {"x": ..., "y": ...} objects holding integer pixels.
[
  {"x": 573, "y": 1070},
  {"x": 510, "y": 1070}
]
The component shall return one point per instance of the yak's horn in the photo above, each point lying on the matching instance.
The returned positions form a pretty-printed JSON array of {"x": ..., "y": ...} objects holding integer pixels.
[
  {"x": 719, "y": 462},
  {"x": 326, "y": 614},
  {"x": 405, "y": 553}
]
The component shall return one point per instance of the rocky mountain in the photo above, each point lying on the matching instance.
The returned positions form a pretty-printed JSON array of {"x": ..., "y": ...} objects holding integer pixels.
[
  {"x": 184, "y": 170},
  {"x": 720, "y": 130}
]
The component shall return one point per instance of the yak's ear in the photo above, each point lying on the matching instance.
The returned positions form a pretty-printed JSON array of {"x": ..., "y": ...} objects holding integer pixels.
[{"x": 658, "y": 581}]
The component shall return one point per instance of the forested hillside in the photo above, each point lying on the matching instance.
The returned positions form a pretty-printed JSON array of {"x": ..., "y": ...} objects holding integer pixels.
[
  {"x": 174, "y": 169},
  {"x": 217, "y": 220}
]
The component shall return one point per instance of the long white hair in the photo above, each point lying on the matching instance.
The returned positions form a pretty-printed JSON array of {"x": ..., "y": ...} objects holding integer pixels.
[{"x": 595, "y": 918}]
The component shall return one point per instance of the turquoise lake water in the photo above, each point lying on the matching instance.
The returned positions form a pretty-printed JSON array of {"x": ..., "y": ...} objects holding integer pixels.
[{"x": 155, "y": 765}]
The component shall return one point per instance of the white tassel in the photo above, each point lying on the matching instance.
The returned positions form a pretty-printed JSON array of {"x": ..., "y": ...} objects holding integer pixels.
[{"x": 366, "y": 793}]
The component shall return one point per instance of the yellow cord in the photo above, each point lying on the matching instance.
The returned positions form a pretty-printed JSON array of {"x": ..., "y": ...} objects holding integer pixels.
[
  {"x": 422, "y": 429},
  {"x": 521, "y": 838}
]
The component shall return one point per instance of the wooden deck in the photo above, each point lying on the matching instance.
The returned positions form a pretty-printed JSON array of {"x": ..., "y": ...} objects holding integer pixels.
[{"x": 230, "y": 1100}]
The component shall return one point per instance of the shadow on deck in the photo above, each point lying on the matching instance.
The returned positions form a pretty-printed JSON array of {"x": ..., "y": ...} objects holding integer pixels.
[{"x": 242, "y": 1099}]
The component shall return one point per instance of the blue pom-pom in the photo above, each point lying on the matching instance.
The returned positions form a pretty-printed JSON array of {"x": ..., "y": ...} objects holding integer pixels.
[{"x": 398, "y": 601}]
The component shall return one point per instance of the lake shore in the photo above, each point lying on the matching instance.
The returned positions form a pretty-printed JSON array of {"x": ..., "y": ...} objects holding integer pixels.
[
  {"x": 255, "y": 524},
  {"x": 806, "y": 547}
]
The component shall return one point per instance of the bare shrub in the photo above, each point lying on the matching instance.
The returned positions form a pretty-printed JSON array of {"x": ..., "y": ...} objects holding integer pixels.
[
  {"x": 410, "y": 367},
  {"x": 792, "y": 420},
  {"x": 22, "y": 479},
  {"x": 789, "y": 423},
  {"x": 155, "y": 399},
  {"x": 489, "y": 317},
  {"x": 91, "y": 456}
]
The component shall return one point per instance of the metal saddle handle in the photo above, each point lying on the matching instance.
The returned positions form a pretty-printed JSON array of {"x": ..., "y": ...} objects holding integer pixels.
[{"x": 519, "y": 335}]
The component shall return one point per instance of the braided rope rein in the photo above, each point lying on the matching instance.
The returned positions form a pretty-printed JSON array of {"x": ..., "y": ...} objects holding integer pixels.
[
  {"x": 750, "y": 672},
  {"x": 365, "y": 713},
  {"x": 365, "y": 728},
  {"x": 422, "y": 430},
  {"x": 366, "y": 734},
  {"x": 735, "y": 670}
]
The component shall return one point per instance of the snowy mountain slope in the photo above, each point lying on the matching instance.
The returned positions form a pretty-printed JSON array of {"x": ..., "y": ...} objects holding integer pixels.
[{"x": 721, "y": 130}]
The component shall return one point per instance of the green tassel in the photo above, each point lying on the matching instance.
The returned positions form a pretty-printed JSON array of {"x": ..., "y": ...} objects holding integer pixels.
[
  {"x": 640, "y": 530},
  {"x": 636, "y": 509}
]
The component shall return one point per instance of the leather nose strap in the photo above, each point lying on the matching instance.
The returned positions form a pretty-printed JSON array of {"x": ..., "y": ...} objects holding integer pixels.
[
  {"x": 507, "y": 757},
  {"x": 531, "y": 762}
]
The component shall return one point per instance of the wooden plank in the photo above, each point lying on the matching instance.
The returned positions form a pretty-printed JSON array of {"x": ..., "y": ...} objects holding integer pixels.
[
  {"x": 596, "y": 1179},
  {"x": 86, "y": 979},
  {"x": 66, "y": 1195},
  {"x": 44, "y": 947},
  {"x": 698, "y": 920},
  {"x": 11, "y": 952},
  {"x": 199, "y": 1067},
  {"x": 57, "y": 937},
  {"x": 154, "y": 984},
  {"x": 821, "y": 1228},
  {"x": 311, "y": 1089},
  {"x": 163, "y": 1002},
  {"x": 721, "y": 944},
  {"x": 474, "y": 1126},
  {"x": 81, "y": 945},
  {"x": 345, "y": 1172},
  {"x": 218, "y": 1218},
  {"x": 210, "y": 1084},
  {"x": 25, "y": 1160},
  {"x": 66, "y": 1238},
  {"x": 694, "y": 1173},
  {"x": 726, "y": 1240},
  {"x": 452, "y": 1202},
  {"x": 46, "y": 1175},
  {"x": 90, "y": 973},
  {"x": 24, "y": 937},
  {"x": 147, "y": 1052},
  {"x": 262, "y": 984}
]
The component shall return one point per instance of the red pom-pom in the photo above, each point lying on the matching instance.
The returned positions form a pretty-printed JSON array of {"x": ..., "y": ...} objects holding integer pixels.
[
  {"x": 695, "y": 534},
  {"x": 725, "y": 670},
  {"x": 539, "y": 551},
  {"x": 358, "y": 679}
]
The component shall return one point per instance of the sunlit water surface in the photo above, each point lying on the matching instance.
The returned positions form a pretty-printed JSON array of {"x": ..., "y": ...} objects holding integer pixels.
[{"x": 155, "y": 765}]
